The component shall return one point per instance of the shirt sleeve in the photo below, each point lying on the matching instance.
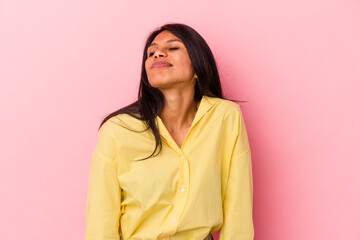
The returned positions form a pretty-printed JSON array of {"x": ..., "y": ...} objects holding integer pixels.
[
  {"x": 104, "y": 194},
  {"x": 238, "y": 200}
]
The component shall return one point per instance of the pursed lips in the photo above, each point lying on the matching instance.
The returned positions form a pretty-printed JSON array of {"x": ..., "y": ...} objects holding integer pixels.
[{"x": 161, "y": 64}]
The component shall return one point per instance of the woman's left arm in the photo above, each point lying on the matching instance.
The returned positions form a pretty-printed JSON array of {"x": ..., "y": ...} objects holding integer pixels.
[{"x": 238, "y": 201}]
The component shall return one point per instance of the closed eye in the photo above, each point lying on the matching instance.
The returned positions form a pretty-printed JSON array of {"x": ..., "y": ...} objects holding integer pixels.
[{"x": 152, "y": 53}]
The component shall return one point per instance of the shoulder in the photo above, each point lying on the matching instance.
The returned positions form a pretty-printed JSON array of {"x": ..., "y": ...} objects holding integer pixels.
[
  {"x": 122, "y": 118},
  {"x": 226, "y": 108},
  {"x": 121, "y": 122}
]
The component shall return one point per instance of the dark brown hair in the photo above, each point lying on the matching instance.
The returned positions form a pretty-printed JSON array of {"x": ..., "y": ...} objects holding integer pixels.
[{"x": 150, "y": 100}]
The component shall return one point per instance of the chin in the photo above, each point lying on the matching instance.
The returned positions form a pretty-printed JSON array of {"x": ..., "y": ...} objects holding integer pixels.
[{"x": 160, "y": 83}]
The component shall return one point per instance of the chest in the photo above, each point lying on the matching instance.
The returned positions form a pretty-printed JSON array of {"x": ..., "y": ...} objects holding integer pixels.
[{"x": 179, "y": 136}]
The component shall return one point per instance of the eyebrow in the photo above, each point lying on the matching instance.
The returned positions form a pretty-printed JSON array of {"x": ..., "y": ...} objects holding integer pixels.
[{"x": 171, "y": 40}]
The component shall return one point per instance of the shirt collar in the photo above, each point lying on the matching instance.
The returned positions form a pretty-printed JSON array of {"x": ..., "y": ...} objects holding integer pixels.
[{"x": 205, "y": 105}]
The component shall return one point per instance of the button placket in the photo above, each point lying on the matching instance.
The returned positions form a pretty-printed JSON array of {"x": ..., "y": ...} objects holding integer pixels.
[
  {"x": 181, "y": 196},
  {"x": 183, "y": 185}
]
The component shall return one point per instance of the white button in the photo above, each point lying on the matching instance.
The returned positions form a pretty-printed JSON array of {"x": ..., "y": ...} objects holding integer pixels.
[
  {"x": 183, "y": 190},
  {"x": 182, "y": 157},
  {"x": 174, "y": 219}
]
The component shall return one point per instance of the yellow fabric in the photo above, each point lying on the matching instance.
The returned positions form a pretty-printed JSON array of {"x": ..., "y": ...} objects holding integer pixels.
[{"x": 181, "y": 194}]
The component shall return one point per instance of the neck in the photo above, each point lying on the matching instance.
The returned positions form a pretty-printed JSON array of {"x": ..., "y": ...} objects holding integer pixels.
[{"x": 179, "y": 110}]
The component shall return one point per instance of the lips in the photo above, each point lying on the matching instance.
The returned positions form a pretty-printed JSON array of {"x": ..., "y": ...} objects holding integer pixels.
[{"x": 161, "y": 64}]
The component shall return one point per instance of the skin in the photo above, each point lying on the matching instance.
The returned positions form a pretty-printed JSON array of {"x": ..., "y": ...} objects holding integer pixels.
[{"x": 177, "y": 83}]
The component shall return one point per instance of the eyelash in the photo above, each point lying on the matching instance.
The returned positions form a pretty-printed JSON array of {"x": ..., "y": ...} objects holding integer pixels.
[{"x": 152, "y": 53}]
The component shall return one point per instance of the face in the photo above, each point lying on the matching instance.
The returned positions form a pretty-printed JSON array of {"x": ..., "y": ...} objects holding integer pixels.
[{"x": 176, "y": 70}]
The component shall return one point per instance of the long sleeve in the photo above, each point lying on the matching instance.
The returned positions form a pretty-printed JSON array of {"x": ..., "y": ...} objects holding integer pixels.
[
  {"x": 238, "y": 201},
  {"x": 104, "y": 195}
]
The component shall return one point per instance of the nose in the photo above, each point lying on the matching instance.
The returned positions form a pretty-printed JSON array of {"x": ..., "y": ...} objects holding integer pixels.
[{"x": 159, "y": 53}]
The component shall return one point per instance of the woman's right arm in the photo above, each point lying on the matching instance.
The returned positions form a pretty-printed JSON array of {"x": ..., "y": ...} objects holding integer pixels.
[
  {"x": 238, "y": 201},
  {"x": 104, "y": 194}
]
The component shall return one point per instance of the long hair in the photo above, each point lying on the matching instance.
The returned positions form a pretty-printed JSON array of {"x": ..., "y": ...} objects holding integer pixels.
[{"x": 151, "y": 101}]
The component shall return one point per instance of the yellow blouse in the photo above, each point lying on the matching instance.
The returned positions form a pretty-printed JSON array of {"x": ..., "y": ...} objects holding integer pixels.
[{"x": 182, "y": 193}]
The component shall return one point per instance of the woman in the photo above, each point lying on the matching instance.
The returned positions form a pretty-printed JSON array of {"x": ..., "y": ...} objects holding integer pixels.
[{"x": 176, "y": 163}]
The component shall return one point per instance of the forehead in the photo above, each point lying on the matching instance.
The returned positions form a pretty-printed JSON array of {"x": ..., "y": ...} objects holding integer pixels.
[{"x": 164, "y": 37}]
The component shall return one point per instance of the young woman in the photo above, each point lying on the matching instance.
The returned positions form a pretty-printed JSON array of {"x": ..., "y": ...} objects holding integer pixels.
[{"x": 176, "y": 163}]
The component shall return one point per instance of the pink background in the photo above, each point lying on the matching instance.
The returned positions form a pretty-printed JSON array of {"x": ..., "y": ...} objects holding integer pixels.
[{"x": 65, "y": 64}]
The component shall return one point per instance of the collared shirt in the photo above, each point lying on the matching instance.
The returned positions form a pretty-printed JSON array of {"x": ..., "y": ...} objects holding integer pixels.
[{"x": 182, "y": 193}]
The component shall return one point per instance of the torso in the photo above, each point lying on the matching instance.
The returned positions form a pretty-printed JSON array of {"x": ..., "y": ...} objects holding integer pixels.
[{"x": 179, "y": 137}]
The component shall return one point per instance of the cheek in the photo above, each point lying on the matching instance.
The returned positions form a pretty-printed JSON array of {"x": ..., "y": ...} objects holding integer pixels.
[
  {"x": 187, "y": 66},
  {"x": 187, "y": 63},
  {"x": 147, "y": 66},
  {"x": 183, "y": 61}
]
